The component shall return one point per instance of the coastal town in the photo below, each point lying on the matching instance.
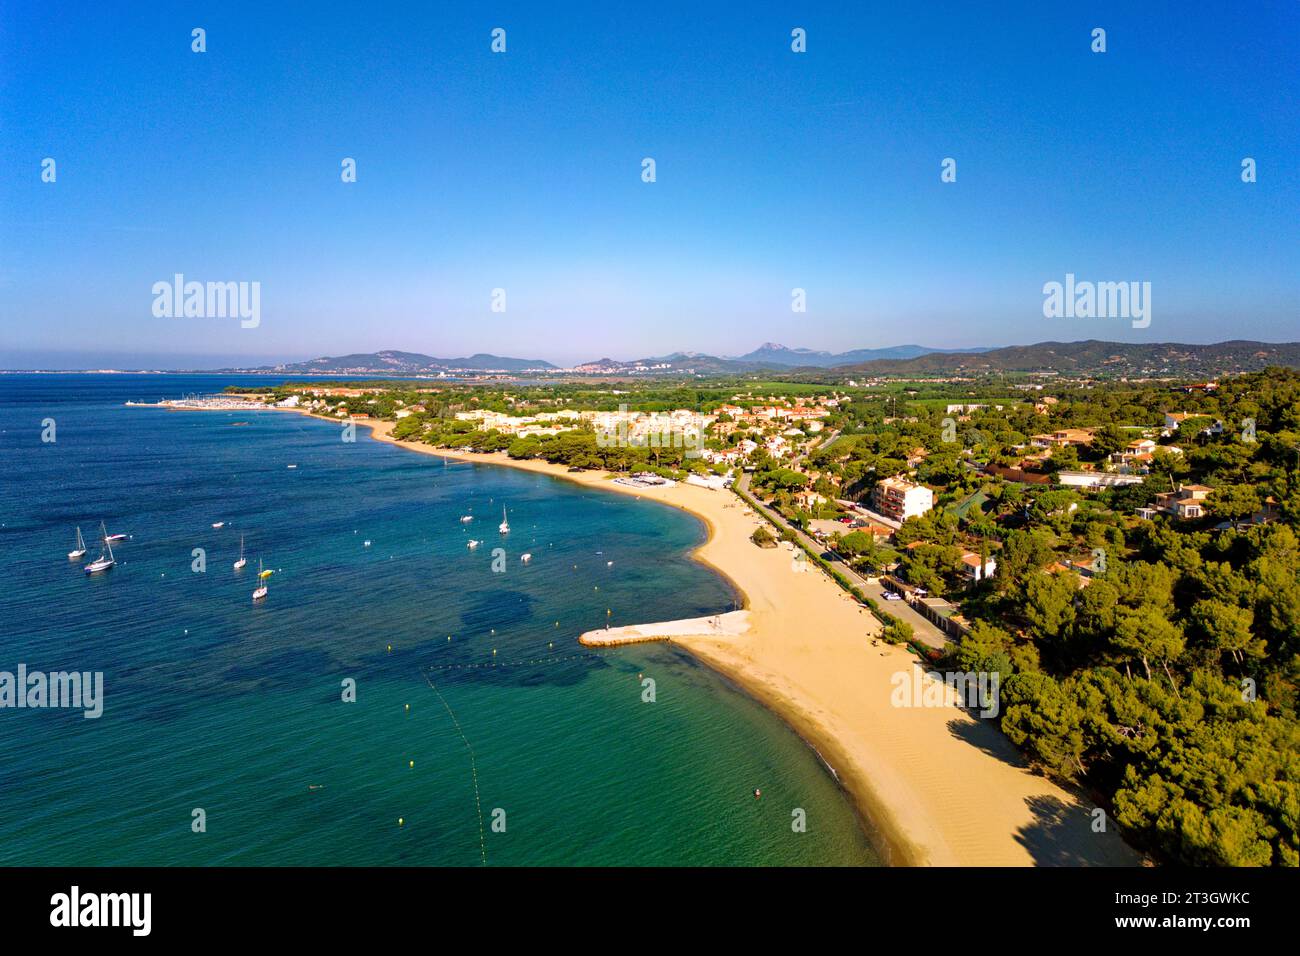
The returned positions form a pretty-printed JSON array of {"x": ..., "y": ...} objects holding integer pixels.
[{"x": 913, "y": 504}]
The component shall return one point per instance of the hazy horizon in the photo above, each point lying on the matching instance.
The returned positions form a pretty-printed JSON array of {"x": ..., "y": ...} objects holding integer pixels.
[{"x": 146, "y": 361}]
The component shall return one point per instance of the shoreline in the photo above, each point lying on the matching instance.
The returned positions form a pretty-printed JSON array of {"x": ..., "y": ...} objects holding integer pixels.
[{"x": 932, "y": 785}]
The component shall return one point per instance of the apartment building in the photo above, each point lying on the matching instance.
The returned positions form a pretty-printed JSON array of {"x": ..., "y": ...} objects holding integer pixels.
[{"x": 900, "y": 499}]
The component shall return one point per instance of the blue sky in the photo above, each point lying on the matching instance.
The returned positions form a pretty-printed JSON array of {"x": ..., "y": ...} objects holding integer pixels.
[{"x": 522, "y": 171}]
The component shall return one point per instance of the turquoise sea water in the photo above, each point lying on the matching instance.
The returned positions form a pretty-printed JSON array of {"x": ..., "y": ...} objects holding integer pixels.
[{"x": 212, "y": 702}]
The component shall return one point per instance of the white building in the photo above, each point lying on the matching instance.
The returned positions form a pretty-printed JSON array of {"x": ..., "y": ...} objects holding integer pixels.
[
  {"x": 977, "y": 570},
  {"x": 900, "y": 499}
]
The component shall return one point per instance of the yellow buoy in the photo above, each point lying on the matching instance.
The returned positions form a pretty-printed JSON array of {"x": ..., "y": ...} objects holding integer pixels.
[
  {"x": 408, "y": 707},
  {"x": 494, "y": 652},
  {"x": 411, "y": 764},
  {"x": 400, "y": 821},
  {"x": 390, "y": 648}
]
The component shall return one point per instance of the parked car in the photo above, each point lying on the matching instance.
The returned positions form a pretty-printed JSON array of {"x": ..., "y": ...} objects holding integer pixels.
[{"x": 891, "y": 596}]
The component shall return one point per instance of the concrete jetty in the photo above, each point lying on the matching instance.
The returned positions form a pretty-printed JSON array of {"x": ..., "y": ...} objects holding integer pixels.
[{"x": 731, "y": 624}]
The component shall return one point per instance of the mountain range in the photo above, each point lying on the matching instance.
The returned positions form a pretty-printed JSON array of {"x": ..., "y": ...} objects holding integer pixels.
[
  {"x": 1146, "y": 359},
  {"x": 1073, "y": 358},
  {"x": 391, "y": 362},
  {"x": 771, "y": 353}
]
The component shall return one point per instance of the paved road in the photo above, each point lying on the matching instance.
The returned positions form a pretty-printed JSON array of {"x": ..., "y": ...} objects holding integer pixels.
[{"x": 922, "y": 629}]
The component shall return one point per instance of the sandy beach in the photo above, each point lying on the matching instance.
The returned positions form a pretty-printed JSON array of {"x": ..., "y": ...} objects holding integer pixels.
[{"x": 936, "y": 786}]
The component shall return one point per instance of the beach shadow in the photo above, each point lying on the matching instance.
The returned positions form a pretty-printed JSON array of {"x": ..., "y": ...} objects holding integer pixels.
[
  {"x": 1062, "y": 835},
  {"x": 985, "y": 735}
]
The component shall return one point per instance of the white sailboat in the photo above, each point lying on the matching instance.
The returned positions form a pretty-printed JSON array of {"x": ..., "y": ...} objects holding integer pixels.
[
  {"x": 242, "y": 560},
  {"x": 105, "y": 559},
  {"x": 261, "y": 590},
  {"x": 504, "y": 527},
  {"x": 80, "y": 549}
]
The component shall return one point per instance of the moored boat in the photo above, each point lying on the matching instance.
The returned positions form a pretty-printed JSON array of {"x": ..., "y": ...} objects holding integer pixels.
[
  {"x": 80, "y": 549},
  {"x": 261, "y": 590},
  {"x": 105, "y": 559}
]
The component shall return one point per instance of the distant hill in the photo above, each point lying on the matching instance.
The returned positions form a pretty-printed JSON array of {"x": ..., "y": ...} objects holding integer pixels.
[
  {"x": 1094, "y": 357},
  {"x": 768, "y": 356},
  {"x": 390, "y": 362},
  {"x": 677, "y": 363},
  {"x": 1091, "y": 357},
  {"x": 774, "y": 354}
]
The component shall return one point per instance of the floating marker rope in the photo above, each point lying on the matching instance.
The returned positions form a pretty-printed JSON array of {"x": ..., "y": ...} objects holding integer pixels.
[
  {"x": 531, "y": 662},
  {"x": 473, "y": 769}
]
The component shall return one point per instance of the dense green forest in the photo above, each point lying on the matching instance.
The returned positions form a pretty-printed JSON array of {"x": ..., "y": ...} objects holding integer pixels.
[{"x": 1168, "y": 685}]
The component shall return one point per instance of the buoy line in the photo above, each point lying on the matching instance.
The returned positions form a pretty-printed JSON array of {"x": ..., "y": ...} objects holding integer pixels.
[
  {"x": 519, "y": 663},
  {"x": 473, "y": 769}
]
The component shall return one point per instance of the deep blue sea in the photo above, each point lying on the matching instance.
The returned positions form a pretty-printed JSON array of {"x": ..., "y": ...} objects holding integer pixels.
[{"x": 484, "y": 710}]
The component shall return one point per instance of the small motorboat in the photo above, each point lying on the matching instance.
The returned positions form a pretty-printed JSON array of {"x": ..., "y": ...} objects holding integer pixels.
[
  {"x": 115, "y": 537},
  {"x": 473, "y": 544},
  {"x": 218, "y": 524},
  {"x": 526, "y": 557},
  {"x": 466, "y": 519}
]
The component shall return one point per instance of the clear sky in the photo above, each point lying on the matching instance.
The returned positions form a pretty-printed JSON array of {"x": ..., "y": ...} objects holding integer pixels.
[{"x": 522, "y": 171}]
